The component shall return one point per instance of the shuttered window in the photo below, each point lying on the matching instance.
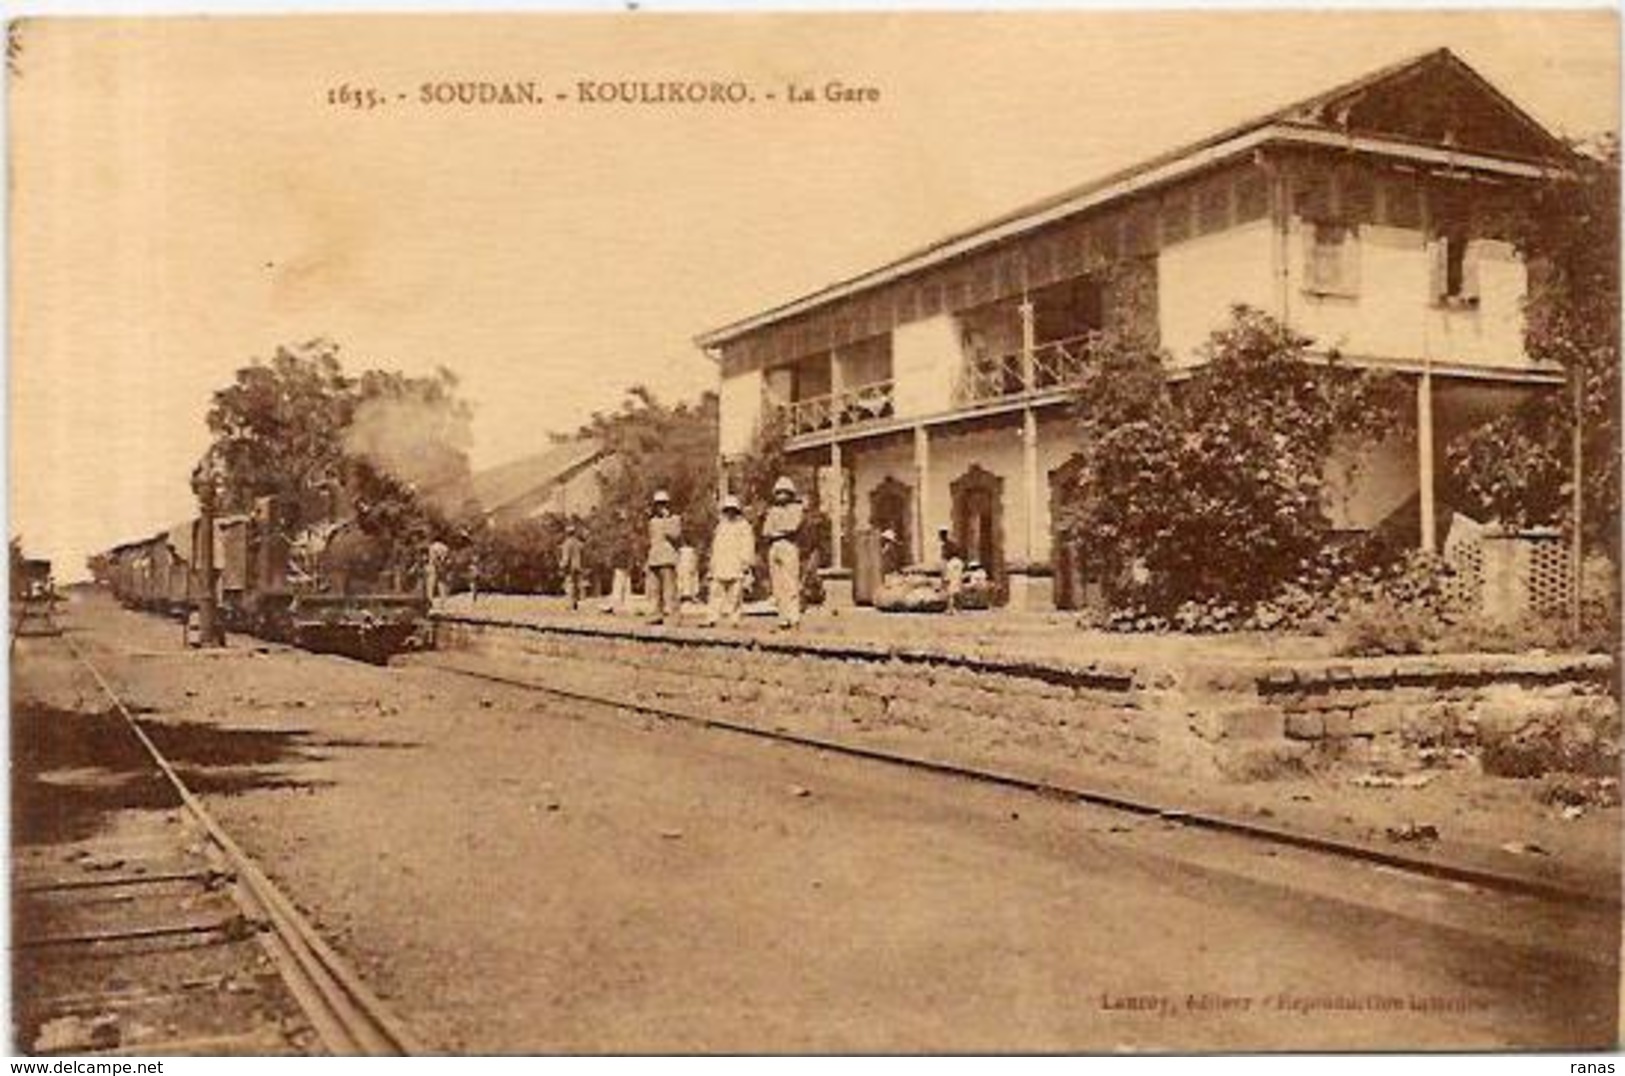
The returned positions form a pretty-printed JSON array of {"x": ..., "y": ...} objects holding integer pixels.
[{"x": 1331, "y": 259}]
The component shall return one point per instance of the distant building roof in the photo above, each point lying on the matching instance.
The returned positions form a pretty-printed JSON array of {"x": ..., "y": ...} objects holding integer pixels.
[{"x": 515, "y": 487}]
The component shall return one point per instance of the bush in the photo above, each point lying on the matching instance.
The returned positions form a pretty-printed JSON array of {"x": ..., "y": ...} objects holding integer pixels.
[
  {"x": 1581, "y": 738},
  {"x": 1383, "y": 625},
  {"x": 1200, "y": 501}
]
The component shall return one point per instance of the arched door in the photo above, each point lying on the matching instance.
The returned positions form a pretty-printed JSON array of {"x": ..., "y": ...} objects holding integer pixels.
[
  {"x": 978, "y": 519},
  {"x": 891, "y": 507},
  {"x": 1066, "y": 558}
]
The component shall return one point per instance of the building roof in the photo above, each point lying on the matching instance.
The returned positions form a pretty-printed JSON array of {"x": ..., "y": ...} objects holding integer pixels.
[
  {"x": 505, "y": 487},
  {"x": 1461, "y": 119}
]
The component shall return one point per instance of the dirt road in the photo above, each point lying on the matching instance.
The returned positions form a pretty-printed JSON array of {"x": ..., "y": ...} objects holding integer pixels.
[{"x": 517, "y": 874}]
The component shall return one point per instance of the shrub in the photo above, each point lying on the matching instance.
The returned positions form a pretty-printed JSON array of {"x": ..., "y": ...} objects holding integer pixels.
[
  {"x": 1581, "y": 738},
  {"x": 1200, "y": 501}
]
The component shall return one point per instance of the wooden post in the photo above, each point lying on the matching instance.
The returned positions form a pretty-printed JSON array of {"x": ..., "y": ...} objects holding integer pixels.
[
  {"x": 837, "y": 511},
  {"x": 1028, "y": 338},
  {"x": 208, "y": 612},
  {"x": 1029, "y": 431},
  {"x": 1424, "y": 455},
  {"x": 837, "y": 405},
  {"x": 1029, "y": 479},
  {"x": 922, "y": 491},
  {"x": 1577, "y": 495}
]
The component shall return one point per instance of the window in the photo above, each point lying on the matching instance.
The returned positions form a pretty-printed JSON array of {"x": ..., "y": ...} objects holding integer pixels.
[
  {"x": 1455, "y": 269},
  {"x": 1332, "y": 259}
]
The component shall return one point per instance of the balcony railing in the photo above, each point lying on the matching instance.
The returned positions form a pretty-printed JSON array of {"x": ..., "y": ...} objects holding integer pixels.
[
  {"x": 859, "y": 404},
  {"x": 1057, "y": 364}
]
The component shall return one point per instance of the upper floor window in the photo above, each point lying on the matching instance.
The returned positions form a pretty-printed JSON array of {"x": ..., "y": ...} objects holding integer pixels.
[
  {"x": 1332, "y": 259},
  {"x": 1455, "y": 269}
]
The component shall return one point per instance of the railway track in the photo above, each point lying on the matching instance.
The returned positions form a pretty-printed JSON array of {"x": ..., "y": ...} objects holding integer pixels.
[
  {"x": 239, "y": 902},
  {"x": 1371, "y": 854}
]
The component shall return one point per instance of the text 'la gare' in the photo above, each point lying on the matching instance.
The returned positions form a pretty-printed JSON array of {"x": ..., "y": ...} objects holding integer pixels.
[{"x": 834, "y": 91}]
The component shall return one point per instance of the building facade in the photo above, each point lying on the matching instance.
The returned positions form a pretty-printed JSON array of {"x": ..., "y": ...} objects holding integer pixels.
[{"x": 1375, "y": 218}]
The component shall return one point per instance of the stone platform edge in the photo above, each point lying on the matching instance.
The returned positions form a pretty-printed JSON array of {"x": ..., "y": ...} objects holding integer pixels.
[{"x": 1267, "y": 676}]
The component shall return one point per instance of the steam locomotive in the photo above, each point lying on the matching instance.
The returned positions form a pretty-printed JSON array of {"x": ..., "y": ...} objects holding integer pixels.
[{"x": 294, "y": 569}]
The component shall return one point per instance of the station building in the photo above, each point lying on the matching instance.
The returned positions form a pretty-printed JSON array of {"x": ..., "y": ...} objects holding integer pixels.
[{"x": 1374, "y": 218}]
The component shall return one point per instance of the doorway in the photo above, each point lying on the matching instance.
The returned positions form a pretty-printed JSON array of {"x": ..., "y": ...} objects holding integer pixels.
[{"x": 978, "y": 520}]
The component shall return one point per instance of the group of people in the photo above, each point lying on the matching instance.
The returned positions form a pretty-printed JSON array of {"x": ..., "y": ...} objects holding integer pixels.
[
  {"x": 733, "y": 557},
  {"x": 672, "y": 571}
]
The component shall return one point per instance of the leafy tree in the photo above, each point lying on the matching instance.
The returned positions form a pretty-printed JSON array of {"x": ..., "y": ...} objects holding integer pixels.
[
  {"x": 1516, "y": 467},
  {"x": 1213, "y": 491},
  {"x": 278, "y": 428},
  {"x": 654, "y": 446},
  {"x": 521, "y": 557},
  {"x": 389, "y": 448}
]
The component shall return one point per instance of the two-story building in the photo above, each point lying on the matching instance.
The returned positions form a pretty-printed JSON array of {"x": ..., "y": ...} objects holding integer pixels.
[{"x": 1374, "y": 218}]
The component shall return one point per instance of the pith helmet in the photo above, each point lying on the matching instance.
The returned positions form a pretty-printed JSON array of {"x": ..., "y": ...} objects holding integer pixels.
[
  {"x": 784, "y": 485},
  {"x": 730, "y": 503},
  {"x": 662, "y": 497}
]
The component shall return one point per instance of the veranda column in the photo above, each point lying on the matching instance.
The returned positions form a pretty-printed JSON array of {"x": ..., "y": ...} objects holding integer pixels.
[
  {"x": 1029, "y": 433},
  {"x": 1022, "y": 595},
  {"x": 1424, "y": 459},
  {"x": 837, "y": 515},
  {"x": 922, "y": 491},
  {"x": 837, "y": 405}
]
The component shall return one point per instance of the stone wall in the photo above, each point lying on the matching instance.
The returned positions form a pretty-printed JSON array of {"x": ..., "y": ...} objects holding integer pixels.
[
  {"x": 1390, "y": 714},
  {"x": 1056, "y": 718}
]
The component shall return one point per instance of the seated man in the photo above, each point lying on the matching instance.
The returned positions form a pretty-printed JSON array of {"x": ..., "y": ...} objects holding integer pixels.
[{"x": 953, "y": 568}]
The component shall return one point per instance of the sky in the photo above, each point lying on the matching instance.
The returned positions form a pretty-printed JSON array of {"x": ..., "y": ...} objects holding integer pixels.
[{"x": 184, "y": 197}]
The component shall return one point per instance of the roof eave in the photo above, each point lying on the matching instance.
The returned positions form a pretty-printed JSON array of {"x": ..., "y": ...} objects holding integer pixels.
[{"x": 1276, "y": 132}]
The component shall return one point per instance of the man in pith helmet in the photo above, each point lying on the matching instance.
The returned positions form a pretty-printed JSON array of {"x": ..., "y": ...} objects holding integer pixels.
[
  {"x": 733, "y": 553},
  {"x": 782, "y": 528},
  {"x": 665, "y": 534}
]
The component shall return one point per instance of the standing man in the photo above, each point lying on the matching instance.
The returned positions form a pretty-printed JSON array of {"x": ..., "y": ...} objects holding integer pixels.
[
  {"x": 570, "y": 553},
  {"x": 781, "y": 528},
  {"x": 434, "y": 573},
  {"x": 665, "y": 532},
  {"x": 733, "y": 551}
]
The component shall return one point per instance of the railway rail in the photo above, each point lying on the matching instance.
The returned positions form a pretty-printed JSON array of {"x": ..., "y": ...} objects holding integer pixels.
[
  {"x": 346, "y": 1017},
  {"x": 1393, "y": 859}
]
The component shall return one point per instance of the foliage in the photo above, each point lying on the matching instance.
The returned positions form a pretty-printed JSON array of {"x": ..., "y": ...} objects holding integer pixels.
[
  {"x": 278, "y": 428},
  {"x": 393, "y": 447},
  {"x": 1515, "y": 467},
  {"x": 1203, "y": 499},
  {"x": 1406, "y": 608},
  {"x": 521, "y": 557},
  {"x": 655, "y": 446},
  {"x": 1402, "y": 607}
]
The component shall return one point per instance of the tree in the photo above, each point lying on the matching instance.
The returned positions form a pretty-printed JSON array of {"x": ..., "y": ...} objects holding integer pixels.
[
  {"x": 521, "y": 557},
  {"x": 278, "y": 428},
  {"x": 654, "y": 446},
  {"x": 389, "y": 449},
  {"x": 1515, "y": 468},
  {"x": 1212, "y": 492}
]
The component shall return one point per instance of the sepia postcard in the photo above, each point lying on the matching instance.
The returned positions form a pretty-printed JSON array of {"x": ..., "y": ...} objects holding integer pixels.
[{"x": 907, "y": 532}]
